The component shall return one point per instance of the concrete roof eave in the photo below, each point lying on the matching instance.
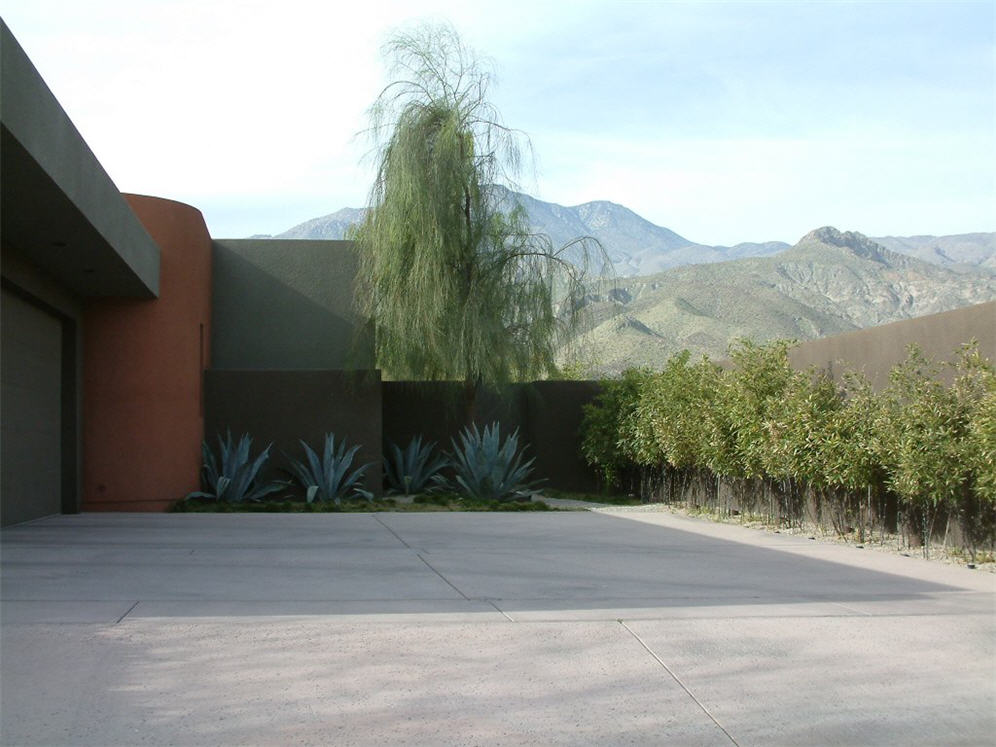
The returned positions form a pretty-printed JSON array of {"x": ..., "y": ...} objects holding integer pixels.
[{"x": 59, "y": 207}]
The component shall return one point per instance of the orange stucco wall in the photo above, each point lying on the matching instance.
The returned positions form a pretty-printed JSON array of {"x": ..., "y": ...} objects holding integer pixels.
[{"x": 143, "y": 365}]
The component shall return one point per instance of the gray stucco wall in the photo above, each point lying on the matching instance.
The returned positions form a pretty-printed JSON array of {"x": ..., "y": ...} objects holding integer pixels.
[
  {"x": 876, "y": 350},
  {"x": 285, "y": 304}
]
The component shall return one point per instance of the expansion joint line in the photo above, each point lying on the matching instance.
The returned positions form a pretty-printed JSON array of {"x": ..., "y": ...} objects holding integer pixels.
[
  {"x": 396, "y": 535},
  {"x": 675, "y": 677},
  {"x": 450, "y": 583},
  {"x": 127, "y": 613},
  {"x": 501, "y": 611}
]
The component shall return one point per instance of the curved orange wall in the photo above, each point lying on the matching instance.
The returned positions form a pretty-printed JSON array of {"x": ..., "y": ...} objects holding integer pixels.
[{"x": 143, "y": 365}]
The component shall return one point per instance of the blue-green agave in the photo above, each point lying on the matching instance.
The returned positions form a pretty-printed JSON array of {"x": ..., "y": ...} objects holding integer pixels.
[
  {"x": 486, "y": 468},
  {"x": 329, "y": 478},
  {"x": 411, "y": 471},
  {"x": 232, "y": 477}
]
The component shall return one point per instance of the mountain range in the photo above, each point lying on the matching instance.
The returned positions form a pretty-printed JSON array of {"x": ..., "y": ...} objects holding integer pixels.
[
  {"x": 638, "y": 247},
  {"x": 669, "y": 293},
  {"x": 828, "y": 283}
]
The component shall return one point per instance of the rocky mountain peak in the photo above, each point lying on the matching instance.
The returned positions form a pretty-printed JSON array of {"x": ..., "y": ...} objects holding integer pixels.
[{"x": 856, "y": 243}]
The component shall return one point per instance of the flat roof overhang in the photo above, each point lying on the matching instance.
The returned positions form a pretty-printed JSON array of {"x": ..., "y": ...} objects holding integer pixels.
[{"x": 59, "y": 208}]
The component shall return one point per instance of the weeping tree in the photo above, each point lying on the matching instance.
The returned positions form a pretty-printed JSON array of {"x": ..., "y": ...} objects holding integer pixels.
[{"x": 457, "y": 286}]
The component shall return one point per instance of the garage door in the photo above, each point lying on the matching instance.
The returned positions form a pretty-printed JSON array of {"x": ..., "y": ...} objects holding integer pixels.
[{"x": 31, "y": 380}]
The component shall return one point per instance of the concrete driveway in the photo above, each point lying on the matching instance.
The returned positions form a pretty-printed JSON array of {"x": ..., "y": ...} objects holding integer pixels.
[{"x": 560, "y": 628}]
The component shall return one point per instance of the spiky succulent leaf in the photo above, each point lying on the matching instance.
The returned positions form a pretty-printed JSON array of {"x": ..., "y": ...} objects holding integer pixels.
[
  {"x": 412, "y": 470},
  {"x": 232, "y": 477},
  {"x": 489, "y": 469},
  {"x": 328, "y": 478}
]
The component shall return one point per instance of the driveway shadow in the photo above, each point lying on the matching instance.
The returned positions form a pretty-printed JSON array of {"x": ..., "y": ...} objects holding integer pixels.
[{"x": 196, "y": 565}]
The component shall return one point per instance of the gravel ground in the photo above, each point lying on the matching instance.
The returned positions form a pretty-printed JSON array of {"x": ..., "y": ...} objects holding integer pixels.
[{"x": 889, "y": 543}]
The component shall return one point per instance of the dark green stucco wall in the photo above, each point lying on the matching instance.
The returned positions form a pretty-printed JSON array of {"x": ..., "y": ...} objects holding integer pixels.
[
  {"x": 61, "y": 210},
  {"x": 285, "y": 304},
  {"x": 283, "y": 407},
  {"x": 546, "y": 413}
]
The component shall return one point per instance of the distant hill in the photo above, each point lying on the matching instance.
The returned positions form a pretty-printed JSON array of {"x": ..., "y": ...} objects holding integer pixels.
[
  {"x": 638, "y": 247},
  {"x": 963, "y": 253},
  {"x": 635, "y": 245},
  {"x": 671, "y": 293},
  {"x": 830, "y": 282},
  {"x": 332, "y": 226}
]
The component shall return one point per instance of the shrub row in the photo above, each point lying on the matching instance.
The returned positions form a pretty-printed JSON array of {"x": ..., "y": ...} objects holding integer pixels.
[{"x": 796, "y": 445}]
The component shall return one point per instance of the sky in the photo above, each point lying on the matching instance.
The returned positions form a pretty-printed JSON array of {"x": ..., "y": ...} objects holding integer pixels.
[{"x": 723, "y": 121}]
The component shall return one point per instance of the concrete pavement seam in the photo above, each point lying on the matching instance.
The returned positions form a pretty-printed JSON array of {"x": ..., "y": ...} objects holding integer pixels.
[
  {"x": 503, "y": 612},
  {"x": 429, "y": 566},
  {"x": 127, "y": 613},
  {"x": 677, "y": 679},
  {"x": 396, "y": 535}
]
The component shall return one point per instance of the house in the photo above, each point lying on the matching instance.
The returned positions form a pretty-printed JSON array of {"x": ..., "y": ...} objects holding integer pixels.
[
  {"x": 107, "y": 322},
  {"x": 129, "y": 335}
]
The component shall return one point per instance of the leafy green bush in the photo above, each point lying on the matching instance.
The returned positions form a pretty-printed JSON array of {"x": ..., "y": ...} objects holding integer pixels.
[
  {"x": 850, "y": 438},
  {"x": 488, "y": 469},
  {"x": 924, "y": 426},
  {"x": 329, "y": 478},
  {"x": 756, "y": 388},
  {"x": 602, "y": 422},
  {"x": 975, "y": 390},
  {"x": 783, "y": 442},
  {"x": 232, "y": 477},
  {"x": 982, "y": 445},
  {"x": 412, "y": 470},
  {"x": 668, "y": 417}
]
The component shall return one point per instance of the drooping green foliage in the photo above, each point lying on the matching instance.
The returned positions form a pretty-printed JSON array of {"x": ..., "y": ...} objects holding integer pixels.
[
  {"x": 934, "y": 456},
  {"x": 975, "y": 391},
  {"x": 232, "y": 476},
  {"x": 850, "y": 442},
  {"x": 982, "y": 444},
  {"x": 668, "y": 423},
  {"x": 329, "y": 478},
  {"x": 924, "y": 426},
  {"x": 763, "y": 375},
  {"x": 788, "y": 442},
  {"x": 457, "y": 287},
  {"x": 796, "y": 427},
  {"x": 602, "y": 424},
  {"x": 411, "y": 470},
  {"x": 486, "y": 468}
]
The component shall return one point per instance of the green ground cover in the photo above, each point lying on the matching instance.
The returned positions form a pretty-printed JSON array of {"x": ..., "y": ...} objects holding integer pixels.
[
  {"x": 611, "y": 499},
  {"x": 420, "y": 503}
]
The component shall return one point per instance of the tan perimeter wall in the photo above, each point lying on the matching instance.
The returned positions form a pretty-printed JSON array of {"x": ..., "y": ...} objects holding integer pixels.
[{"x": 876, "y": 350}]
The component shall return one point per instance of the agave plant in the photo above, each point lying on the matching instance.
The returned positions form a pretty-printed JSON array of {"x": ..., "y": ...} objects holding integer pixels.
[
  {"x": 232, "y": 477},
  {"x": 410, "y": 471},
  {"x": 328, "y": 478},
  {"x": 486, "y": 468}
]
